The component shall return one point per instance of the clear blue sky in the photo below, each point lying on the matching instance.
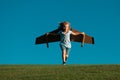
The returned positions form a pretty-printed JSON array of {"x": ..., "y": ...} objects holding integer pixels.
[{"x": 21, "y": 21}]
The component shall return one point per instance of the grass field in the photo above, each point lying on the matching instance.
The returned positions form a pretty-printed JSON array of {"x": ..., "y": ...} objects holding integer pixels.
[{"x": 59, "y": 72}]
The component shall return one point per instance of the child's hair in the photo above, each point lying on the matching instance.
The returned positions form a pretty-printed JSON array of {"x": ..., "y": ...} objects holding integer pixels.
[{"x": 62, "y": 24}]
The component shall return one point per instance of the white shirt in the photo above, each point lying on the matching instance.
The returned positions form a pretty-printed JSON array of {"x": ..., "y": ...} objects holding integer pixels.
[{"x": 65, "y": 39}]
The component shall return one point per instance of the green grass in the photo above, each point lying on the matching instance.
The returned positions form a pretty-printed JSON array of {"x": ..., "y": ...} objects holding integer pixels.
[{"x": 59, "y": 72}]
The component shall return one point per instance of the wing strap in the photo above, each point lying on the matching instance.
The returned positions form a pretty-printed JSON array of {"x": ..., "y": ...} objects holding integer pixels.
[
  {"x": 83, "y": 40},
  {"x": 47, "y": 40}
]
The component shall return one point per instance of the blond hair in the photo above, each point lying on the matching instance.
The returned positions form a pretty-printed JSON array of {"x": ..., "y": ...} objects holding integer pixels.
[{"x": 62, "y": 24}]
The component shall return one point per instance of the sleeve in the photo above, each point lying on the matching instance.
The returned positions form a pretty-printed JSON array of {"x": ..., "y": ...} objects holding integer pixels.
[{"x": 71, "y": 32}]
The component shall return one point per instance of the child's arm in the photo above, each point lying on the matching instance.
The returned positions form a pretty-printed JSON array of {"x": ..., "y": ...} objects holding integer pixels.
[
  {"x": 83, "y": 37},
  {"x": 78, "y": 33}
]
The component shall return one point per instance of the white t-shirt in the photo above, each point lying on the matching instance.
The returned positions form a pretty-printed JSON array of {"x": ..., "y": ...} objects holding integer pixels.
[{"x": 65, "y": 39}]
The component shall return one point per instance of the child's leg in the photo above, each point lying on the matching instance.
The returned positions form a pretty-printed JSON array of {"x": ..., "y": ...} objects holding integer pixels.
[
  {"x": 66, "y": 57},
  {"x": 63, "y": 53},
  {"x": 67, "y": 53}
]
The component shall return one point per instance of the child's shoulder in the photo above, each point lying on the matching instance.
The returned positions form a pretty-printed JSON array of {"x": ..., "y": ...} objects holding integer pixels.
[{"x": 70, "y": 31}]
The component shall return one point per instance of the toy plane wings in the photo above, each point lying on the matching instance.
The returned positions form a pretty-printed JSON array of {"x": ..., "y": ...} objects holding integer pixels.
[{"x": 53, "y": 36}]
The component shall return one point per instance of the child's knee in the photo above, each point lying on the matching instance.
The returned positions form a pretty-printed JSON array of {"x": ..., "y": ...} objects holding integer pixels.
[{"x": 67, "y": 55}]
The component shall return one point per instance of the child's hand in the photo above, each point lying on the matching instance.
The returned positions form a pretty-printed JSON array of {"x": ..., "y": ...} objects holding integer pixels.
[{"x": 83, "y": 33}]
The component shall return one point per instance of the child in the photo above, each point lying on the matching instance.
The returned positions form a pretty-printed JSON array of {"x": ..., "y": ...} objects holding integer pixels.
[{"x": 65, "y": 43}]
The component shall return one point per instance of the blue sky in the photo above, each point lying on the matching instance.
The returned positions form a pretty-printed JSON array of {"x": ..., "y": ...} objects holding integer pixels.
[{"x": 21, "y": 21}]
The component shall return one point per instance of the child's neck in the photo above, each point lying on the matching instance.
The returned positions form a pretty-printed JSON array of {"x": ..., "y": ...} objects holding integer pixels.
[{"x": 66, "y": 31}]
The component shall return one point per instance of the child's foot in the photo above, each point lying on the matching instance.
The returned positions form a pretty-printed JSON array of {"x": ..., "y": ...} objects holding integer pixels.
[{"x": 64, "y": 63}]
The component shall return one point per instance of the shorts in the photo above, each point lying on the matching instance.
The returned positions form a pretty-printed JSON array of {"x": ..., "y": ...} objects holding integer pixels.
[{"x": 65, "y": 48}]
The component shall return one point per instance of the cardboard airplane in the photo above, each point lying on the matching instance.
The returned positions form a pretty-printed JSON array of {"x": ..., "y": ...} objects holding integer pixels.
[{"x": 54, "y": 36}]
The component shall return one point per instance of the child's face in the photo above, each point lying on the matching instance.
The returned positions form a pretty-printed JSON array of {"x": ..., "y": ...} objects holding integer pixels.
[{"x": 66, "y": 27}]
